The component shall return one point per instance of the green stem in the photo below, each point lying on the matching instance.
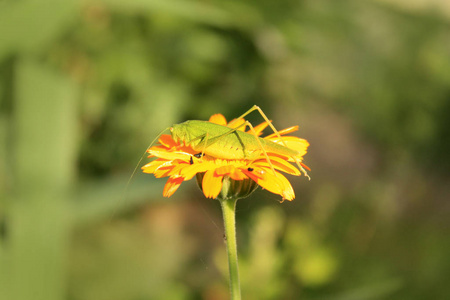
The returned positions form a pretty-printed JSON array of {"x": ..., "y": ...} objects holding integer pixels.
[{"x": 228, "y": 210}]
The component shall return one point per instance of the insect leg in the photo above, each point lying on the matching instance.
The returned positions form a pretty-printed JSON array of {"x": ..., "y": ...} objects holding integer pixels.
[
  {"x": 204, "y": 147},
  {"x": 205, "y": 144},
  {"x": 261, "y": 146},
  {"x": 255, "y": 107}
]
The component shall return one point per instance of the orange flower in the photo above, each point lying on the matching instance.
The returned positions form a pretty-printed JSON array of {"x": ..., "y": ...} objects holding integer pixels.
[{"x": 179, "y": 162}]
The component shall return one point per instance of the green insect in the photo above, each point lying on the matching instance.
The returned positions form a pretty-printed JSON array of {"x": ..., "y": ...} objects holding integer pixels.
[
  {"x": 228, "y": 142},
  {"x": 232, "y": 143}
]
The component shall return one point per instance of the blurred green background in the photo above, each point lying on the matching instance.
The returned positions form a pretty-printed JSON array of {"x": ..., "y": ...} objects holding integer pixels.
[{"x": 86, "y": 85}]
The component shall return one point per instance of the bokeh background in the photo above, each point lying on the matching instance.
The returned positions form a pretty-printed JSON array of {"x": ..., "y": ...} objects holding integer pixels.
[{"x": 85, "y": 86}]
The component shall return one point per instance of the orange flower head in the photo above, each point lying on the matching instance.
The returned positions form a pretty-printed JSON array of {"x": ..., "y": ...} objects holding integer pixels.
[{"x": 221, "y": 174}]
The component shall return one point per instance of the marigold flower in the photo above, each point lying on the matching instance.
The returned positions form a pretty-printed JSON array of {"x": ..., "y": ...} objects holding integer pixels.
[{"x": 180, "y": 162}]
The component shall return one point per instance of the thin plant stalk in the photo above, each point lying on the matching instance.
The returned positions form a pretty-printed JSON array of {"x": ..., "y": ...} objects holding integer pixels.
[{"x": 229, "y": 213}]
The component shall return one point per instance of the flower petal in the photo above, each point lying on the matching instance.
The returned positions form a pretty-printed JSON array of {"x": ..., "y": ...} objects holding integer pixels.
[
  {"x": 172, "y": 185},
  {"x": 230, "y": 170},
  {"x": 218, "y": 119},
  {"x": 211, "y": 184},
  {"x": 153, "y": 166},
  {"x": 305, "y": 166},
  {"x": 283, "y": 132},
  {"x": 224, "y": 170},
  {"x": 275, "y": 183},
  {"x": 167, "y": 141},
  {"x": 169, "y": 155},
  {"x": 294, "y": 143},
  {"x": 164, "y": 170},
  {"x": 189, "y": 171},
  {"x": 237, "y": 123},
  {"x": 287, "y": 191},
  {"x": 278, "y": 164},
  {"x": 238, "y": 175}
]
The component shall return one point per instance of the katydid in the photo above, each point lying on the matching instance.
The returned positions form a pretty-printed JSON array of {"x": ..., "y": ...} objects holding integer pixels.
[
  {"x": 232, "y": 143},
  {"x": 226, "y": 142}
]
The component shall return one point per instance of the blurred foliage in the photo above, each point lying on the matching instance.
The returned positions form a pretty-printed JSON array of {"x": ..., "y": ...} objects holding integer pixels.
[{"x": 86, "y": 85}]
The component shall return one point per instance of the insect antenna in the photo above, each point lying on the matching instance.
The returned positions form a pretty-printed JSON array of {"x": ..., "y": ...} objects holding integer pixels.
[{"x": 139, "y": 162}]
